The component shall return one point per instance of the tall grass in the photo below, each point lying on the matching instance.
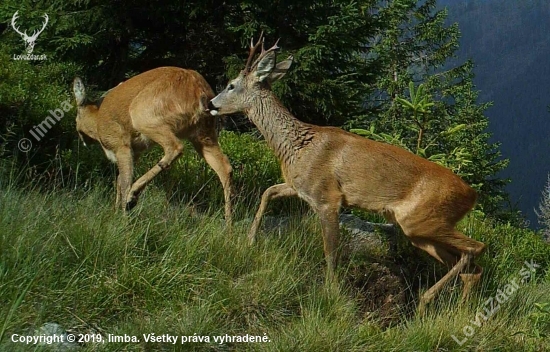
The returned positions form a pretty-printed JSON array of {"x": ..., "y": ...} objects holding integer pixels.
[
  {"x": 167, "y": 269},
  {"x": 173, "y": 267}
]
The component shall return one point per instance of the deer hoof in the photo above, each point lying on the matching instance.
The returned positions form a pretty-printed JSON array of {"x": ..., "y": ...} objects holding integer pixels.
[
  {"x": 421, "y": 309},
  {"x": 130, "y": 204},
  {"x": 423, "y": 304}
]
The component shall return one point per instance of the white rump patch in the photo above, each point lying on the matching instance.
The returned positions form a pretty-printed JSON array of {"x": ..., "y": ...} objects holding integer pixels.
[{"x": 213, "y": 112}]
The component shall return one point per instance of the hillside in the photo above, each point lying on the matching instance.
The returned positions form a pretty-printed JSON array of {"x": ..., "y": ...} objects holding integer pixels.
[
  {"x": 70, "y": 264},
  {"x": 171, "y": 275},
  {"x": 508, "y": 41}
]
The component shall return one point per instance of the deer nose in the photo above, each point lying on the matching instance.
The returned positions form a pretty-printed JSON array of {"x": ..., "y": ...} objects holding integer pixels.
[{"x": 211, "y": 106}]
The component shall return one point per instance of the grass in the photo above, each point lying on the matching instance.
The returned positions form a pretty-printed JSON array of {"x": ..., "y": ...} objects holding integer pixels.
[{"x": 67, "y": 258}]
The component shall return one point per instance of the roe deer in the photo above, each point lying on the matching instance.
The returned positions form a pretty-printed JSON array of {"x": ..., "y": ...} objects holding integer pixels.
[
  {"x": 330, "y": 168},
  {"x": 162, "y": 105}
]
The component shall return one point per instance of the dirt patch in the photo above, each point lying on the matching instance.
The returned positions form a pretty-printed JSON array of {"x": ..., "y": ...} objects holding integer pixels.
[
  {"x": 380, "y": 290},
  {"x": 376, "y": 275}
]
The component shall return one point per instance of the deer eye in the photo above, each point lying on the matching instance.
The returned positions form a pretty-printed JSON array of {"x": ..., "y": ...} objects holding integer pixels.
[{"x": 230, "y": 87}]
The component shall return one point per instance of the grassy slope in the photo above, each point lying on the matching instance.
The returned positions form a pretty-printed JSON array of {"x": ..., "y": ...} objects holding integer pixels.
[{"x": 67, "y": 258}]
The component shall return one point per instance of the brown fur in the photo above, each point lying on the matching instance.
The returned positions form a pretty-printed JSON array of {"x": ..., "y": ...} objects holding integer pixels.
[
  {"x": 330, "y": 168},
  {"x": 162, "y": 106}
]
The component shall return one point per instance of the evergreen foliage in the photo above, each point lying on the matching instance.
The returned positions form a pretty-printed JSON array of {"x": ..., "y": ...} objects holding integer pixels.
[{"x": 354, "y": 62}]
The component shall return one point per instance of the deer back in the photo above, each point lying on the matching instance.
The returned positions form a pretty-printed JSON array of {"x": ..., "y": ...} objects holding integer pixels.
[{"x": 167, "y": 95}]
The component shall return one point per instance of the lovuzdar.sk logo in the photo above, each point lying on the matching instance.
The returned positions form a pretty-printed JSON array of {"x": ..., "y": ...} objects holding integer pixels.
[{"x": 29, "y": 40}]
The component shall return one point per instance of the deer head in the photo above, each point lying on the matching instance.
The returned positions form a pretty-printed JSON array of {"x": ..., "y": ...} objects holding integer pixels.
[
  {"x": 256, "y": 76},
  {"x": 29, "y": 40}
]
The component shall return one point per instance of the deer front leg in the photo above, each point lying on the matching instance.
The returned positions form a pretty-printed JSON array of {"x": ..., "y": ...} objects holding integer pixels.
[
  {"x": 118, "y": 192},
  {"x": 125, "y": 173},
  {"x": 273, "y": 192},
  {"x": 328, "y": 215}
]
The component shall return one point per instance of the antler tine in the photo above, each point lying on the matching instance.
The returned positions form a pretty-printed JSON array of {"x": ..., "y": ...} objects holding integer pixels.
[
  {"x": 253, "y": 49},
  {"x": 263, "y": 48},
  {"x": 274, "y": 47},
  {"x": 264, "y": 53}
]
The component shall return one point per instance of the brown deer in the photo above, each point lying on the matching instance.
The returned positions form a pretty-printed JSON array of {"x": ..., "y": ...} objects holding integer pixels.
[
  {"x": 330, "y": 168},
  {"x": 162, "y": 105}
]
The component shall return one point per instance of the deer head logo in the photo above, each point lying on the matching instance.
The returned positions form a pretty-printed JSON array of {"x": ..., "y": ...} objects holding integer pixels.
[{"x": 29, "y": 40}]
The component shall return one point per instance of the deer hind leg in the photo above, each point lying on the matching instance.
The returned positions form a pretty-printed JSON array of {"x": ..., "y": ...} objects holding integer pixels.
[
  {"x": 328, "y": 214},
  {"x": 173, "y": 148},
  {"x": 457, "y": 251},
  {"x": 470, "y": 278},
  {"x": 273, "y": 192},
  {"x": 463, "y": 244},
  {"x": 209, "y": 149}
]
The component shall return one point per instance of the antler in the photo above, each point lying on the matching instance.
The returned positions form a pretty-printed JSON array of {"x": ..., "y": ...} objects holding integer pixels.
[
  {"x": 36, "y": 33},
  {"x": 254, "y": 49},
  {"x": 15, "y": 17}
]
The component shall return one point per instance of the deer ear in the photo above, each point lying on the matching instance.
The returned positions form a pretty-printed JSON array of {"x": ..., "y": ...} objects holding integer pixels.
[
  {"x": 79, "y": 91},
  {"x": 265, "y": 66},
  {"x": 280, "y": 70}
]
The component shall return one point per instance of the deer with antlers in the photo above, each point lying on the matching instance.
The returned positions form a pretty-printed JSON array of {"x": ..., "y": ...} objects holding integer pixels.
[
  {"x": 29, "y": 40},
  {"x": 162, "y": 106},
  {"x": 330, "y": 168}
]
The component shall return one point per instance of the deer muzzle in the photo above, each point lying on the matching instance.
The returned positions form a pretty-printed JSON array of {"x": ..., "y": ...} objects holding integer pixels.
[{"x": 212, "y": 108}]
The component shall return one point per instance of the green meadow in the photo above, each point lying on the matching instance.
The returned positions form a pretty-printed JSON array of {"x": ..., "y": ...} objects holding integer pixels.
[{"x": 172, "y": 267}]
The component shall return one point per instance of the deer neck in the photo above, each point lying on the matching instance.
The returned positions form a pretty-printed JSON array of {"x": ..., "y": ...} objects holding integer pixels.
[
  {"x": 88, "y": 122},
  {"x": 284, "y": 133}
]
